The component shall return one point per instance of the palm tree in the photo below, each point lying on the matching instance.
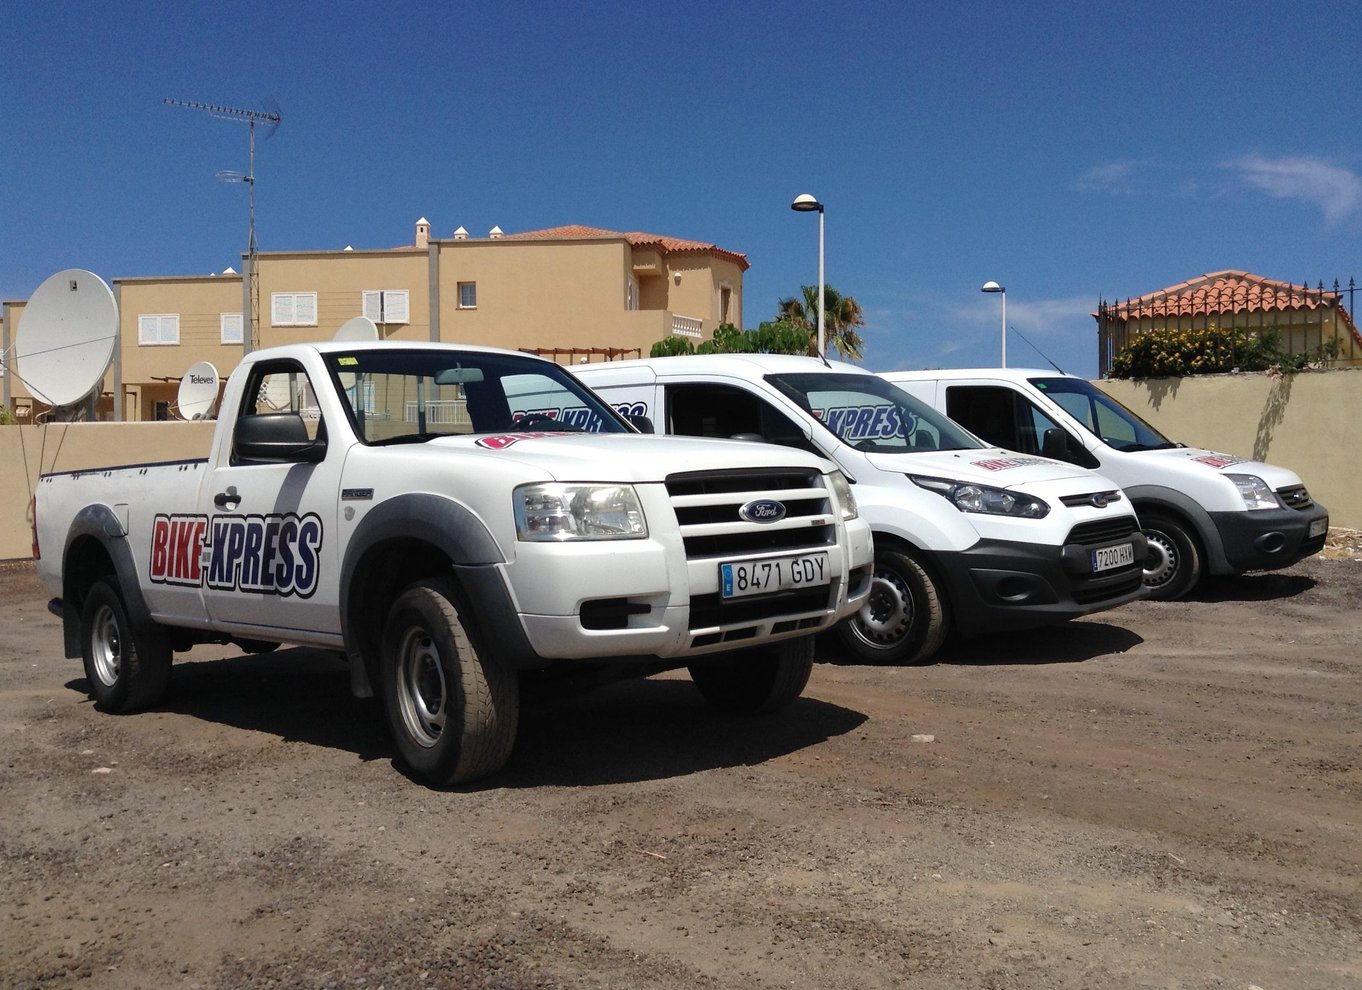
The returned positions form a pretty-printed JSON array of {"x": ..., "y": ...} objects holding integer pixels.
[{"x": 841, "y": 316}]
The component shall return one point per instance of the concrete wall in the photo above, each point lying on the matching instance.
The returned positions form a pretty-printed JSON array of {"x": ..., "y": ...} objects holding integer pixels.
[
  {"x": 1310, "y": 423},
  {"x": 27, "y": 451}
]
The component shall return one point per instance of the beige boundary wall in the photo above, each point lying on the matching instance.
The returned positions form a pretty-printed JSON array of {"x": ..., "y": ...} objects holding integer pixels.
[
  {"x": 1311, "y": 423},
  {"x": 28, "y": 451}
]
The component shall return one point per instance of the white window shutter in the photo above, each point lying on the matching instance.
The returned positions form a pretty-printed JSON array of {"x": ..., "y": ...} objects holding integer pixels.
[
  {"x": 148, "y": 330},
  {"x": 305, "y": 308},
  {"x": 395, "y": 305},
  {"x": 371, "y": 304},
  {"x": 283, "y": 308}
]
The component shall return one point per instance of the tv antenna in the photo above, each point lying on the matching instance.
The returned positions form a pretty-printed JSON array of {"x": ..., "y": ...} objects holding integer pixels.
[{"x": 270, "y": 119}]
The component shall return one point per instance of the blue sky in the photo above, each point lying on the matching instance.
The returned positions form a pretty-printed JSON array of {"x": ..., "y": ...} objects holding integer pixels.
[{"x": 1069, "y": 151}]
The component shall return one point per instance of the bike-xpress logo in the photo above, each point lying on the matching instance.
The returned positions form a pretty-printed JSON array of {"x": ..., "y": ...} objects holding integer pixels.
[
  {"x": 276, "y": 554},
  {"x": 853, "y": 423}
]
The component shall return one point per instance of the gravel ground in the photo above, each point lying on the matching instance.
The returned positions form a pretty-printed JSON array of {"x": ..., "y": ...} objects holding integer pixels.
[{"x": 1165, "y": 795}]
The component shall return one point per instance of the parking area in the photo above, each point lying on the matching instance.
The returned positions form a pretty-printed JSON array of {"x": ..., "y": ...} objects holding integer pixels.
[{"x": 1164, "y": 795}]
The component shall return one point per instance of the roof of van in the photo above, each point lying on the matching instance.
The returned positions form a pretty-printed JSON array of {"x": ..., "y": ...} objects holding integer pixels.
[
  {"x": 1009, "y": 374},
  {"x": 748, "y": 364}
]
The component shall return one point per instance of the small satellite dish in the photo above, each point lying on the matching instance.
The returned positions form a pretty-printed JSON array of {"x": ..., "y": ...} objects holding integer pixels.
[
  {"x": 198, "y": 396},
  {"x": 66, "y": 337},
  {"x": 360, "y": 328}
]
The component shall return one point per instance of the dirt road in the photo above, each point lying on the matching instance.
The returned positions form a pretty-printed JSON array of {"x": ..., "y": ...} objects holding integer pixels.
[{"x": 1166, "y": 795}]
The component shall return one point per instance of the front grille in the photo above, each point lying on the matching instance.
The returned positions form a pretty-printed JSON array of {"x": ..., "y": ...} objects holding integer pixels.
[
  {"x": 712, "y": 610},
  {"x": 1094, "y": 534},
  {"x": 1099, "y": 586},
  {"x": 707, "y": 503},
  {"x": 1296, "y": 497}
]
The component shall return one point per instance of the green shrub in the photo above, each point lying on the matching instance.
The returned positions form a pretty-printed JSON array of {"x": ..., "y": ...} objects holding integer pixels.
[{"x": 1178, "y": 353}]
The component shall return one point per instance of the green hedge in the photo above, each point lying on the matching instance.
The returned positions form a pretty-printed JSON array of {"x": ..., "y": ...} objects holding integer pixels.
[{"x": 1177, "y": 353}]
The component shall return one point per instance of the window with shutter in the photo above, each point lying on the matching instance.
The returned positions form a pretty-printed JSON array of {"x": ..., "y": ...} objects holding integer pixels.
[
  {"x": 230, "y": 328},
  {"x": 158, "y": 329},
  {"x": 294, "y": 309},
  {"x": 387, "y": 305}
]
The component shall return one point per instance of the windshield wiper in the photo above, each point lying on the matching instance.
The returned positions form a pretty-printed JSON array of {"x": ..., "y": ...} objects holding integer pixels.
[{"x": 405, "y": 438}]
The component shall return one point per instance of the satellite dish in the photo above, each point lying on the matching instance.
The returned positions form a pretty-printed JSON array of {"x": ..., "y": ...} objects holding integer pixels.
[
  {"x": 66, "y": 338},
  {"x": 360, "y": 328},
  {"x": 198, "y": 395}
]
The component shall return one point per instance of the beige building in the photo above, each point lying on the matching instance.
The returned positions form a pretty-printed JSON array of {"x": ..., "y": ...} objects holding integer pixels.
[{"x": 572, "y": 293}]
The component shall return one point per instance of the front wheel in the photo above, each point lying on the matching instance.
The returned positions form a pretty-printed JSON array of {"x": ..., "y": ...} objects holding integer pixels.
[
  {"x": 127, "y": 669},
  {"x": 451, "y": 709},
  {"x": 1173, "y": 565},
  {"x": 903, "y": 620},
  {"x": 758, "y": 680}
]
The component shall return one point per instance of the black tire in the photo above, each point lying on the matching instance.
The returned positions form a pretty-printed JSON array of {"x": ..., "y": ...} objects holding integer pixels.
[
  {"x": 127, "y": 668},
  {"x": 256, "y": 645},
  {"x": 1173, "y": 565},
  {"x": 752, "y": 682},
  {"x": 903, "y": 621},
  {"x": 451, "y": 708}
]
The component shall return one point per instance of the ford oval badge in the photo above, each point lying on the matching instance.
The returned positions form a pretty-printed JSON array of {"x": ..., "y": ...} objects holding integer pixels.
[{"x": 763, "y": 510}]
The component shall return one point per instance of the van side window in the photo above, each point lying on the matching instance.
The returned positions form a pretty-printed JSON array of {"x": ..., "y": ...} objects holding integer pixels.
[
  {"x": 1012, "y": 421},
  {"x": 727, "y": 411},
  {"x": 986, "y": 411}
]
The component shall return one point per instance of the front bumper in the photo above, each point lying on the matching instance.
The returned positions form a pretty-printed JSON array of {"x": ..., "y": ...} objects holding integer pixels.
[
  {"x": 996, "y": 586},
  {"x": 1267, "y": 539}
]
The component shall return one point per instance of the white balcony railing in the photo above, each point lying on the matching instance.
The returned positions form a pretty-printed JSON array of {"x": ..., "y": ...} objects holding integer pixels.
[{"x": 687, "y": 326}]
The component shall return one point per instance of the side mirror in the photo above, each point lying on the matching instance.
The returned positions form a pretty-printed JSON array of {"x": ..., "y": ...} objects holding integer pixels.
[
  {"x": 1055, "y": 445},
  {"x": 641, "y": 423},
  {"x": 276, "y": 438}
]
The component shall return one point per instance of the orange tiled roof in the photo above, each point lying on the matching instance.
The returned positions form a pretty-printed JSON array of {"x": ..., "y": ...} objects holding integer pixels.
[
  {"x": 665, "y": 245},
  {"x": 1230, "y": 291}
]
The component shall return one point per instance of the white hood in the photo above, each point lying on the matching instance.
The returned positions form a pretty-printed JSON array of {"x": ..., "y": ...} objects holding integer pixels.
[
  {"x": 626, "y": 457},
  {"x": 992, "y": 466},
  {"x": 1196, "y": 460}
]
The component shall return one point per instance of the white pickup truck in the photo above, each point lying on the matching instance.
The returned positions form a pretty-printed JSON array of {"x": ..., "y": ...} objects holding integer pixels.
[
  {"x": 1203, "y": 512},
  {"x": 382, "y": 500},
  {"x": 967, "y": 537}
]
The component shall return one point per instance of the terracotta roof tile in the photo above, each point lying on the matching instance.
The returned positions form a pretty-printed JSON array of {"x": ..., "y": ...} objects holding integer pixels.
[
  {"x": 666, "y": 245},
  {"x": 1230, "y": 291}
]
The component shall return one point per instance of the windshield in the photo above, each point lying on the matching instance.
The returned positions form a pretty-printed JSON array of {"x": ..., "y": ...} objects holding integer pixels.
[
  {"x": 409, "y": 396},
  {"x": 1103, "y": 417},
  {"x": 871, "y": 414}
]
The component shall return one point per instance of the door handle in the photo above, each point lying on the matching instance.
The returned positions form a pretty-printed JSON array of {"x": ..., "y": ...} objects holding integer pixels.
[{"x": 227, "y": 500}]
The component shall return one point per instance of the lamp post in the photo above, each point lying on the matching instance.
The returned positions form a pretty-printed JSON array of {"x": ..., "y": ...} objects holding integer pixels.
[
  {"x": 995, "y": 287},
  {"x": 805, "y": 203}
]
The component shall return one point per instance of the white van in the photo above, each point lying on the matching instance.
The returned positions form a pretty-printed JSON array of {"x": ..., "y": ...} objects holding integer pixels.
[
  {"x": 1203, "y": 512},
  {"x": 967, "y": 537}
]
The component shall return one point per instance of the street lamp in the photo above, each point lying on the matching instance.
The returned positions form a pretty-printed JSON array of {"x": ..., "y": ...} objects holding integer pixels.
[
  {"x": 805, "y": 203},
  {"x": 995, "y": 287}
]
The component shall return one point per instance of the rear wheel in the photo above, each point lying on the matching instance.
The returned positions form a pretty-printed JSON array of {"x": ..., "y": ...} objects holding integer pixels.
[
  {"x": 1173, "y": 565},
  {"x": 127, "y": 668},
  {"x": 451, "y": 709},
  {"x": 762, "y": 679},
  {"x": 904, "y": 618}
]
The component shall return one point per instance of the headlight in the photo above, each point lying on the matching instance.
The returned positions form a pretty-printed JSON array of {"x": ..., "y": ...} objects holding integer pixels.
[
  {"x": 1255, "y": 492},
  {"x": 556, "y": 513},
  {"x": 837, "y": 481},
  {"x": 982, "y": 498}
]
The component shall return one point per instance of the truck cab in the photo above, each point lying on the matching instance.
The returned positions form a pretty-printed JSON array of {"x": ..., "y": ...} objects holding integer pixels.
[{"x": 1202, "y": 512}]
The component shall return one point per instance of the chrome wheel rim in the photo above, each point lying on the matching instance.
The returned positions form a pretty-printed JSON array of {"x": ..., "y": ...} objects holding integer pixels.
[
  {"x": 1162, "y": 560},
  {"x": 422, "y": 694},
  {"x": 106, "y": 646},
  {"x": 887, "y": 614}
]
